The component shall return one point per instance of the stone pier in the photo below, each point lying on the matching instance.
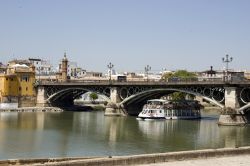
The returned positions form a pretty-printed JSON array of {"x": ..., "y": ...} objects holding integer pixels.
[
  {"x": 41, "y": 100},
  {"x": 113, "y": 108},
  {"x": 230, "y": 116}
]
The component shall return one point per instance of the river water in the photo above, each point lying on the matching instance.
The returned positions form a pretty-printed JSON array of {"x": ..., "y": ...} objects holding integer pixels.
[{"x": 75, "y": 134}]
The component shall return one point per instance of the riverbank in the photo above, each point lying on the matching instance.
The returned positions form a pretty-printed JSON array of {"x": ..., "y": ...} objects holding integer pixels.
[
  {"x": 205, "y": 157},
  {"x": 33, "y": 109}
]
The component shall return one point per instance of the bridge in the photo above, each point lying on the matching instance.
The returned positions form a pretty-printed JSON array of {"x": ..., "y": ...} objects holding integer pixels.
[{"x": 129, "y": 97}]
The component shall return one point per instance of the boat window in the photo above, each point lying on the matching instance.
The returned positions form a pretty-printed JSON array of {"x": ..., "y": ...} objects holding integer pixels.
[{"x": 160, "y": 111}]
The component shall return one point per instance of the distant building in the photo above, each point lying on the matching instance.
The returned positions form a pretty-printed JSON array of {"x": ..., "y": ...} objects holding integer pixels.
[
  {"x": 43, "y": 67},
  {"x": 62, "y": 74},
  {"x": 17, "y": 84},
  {"x": 73, "y": 71},
  {"x": 220, "y": 75},
  {"x": 3, "y": 68},
  {"x": 131, "y": 76},
  {"x": 93, "y": 74},
  {"x": 247, "y": 75}
]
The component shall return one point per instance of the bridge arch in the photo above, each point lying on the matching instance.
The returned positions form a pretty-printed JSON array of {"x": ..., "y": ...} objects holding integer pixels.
[
  {"x": 156, "y": 93},
  {"x": 69, "y": 94}
]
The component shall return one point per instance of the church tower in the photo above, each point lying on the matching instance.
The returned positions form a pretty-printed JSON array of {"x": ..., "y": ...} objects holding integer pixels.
[{"x": 64, "y": 68}]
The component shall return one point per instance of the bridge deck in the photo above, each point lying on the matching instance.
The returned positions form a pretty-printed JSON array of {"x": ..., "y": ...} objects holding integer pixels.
[{"x": 136, "y": 83}]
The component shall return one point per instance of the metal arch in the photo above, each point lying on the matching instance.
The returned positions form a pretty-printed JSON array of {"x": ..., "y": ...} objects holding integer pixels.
[
  {"x": 218, "y": 90},
  {"x": 141, "y": 97},
  {"x": 209, "y": 93},
  {"x": 241, "y": 96},
  {"x": 78, "y": 94},
  {"x": 151, "y": 95},
  {"x": 121, "y": 95},
  {"x": 241, "y": 110},
  {"x": 106, "y": 91},
  {"x": 51, "y": 90},
  {"x": 62, "y": 92},
  {"x": 171, "y": 89}
]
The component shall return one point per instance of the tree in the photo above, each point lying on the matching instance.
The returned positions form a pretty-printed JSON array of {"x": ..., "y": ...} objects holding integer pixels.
[
  {"x": 179, "y": 74},
  {"x": 93, "y": 96},
  {"x": 176, "y": 76}
]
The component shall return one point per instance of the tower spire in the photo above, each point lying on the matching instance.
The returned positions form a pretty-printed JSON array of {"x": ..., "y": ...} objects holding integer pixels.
[{"x": 65, "y": 54}]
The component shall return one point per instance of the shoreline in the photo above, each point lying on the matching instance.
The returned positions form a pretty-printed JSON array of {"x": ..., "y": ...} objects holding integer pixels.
[
  {"x": 33, "y": 109},
  {"x": 57, "y": 109},
  {"x": 141, "y": 159}
]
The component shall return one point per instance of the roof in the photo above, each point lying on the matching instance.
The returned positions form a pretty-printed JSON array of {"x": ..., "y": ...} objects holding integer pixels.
[{"x": 34, "y": 59}]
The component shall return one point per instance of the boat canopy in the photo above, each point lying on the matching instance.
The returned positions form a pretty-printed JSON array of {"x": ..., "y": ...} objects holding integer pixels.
[{"x": 157, "y": 101}]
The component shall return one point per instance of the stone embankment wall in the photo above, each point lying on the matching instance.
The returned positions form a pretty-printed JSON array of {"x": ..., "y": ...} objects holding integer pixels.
[{"x": 135, "y": 159}]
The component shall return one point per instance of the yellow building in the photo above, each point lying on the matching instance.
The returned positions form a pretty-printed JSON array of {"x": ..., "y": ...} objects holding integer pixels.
[{"x": 17, "y": 84}]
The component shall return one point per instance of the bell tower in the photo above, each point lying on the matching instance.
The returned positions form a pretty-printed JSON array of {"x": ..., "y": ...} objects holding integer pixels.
[{"x": 64, "y": 68}]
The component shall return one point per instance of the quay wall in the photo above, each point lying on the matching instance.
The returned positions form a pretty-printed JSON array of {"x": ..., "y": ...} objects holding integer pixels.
[
  {"x": 139, "y": 159},
  {"x": 32, "y": 109}
]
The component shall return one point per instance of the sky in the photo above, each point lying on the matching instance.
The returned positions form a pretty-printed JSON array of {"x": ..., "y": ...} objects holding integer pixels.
[{"x": 171, "y": 34}]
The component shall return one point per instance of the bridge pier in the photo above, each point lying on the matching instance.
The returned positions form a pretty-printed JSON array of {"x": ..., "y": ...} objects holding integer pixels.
[
  {"x": 41, "y": 100},
  {"x": 113, "y": 108},
  {"x": 230, "y": 116}
]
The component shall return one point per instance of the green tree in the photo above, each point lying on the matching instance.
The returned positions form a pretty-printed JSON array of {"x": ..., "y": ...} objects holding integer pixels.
[
  {"x": 178, "y": 96},
  {"x": 182, "y": 75},
  {"x": 93, "y": 96}
]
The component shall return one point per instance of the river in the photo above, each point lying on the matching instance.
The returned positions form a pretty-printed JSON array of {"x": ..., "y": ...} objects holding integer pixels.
[{"x": 78, "y": 134}]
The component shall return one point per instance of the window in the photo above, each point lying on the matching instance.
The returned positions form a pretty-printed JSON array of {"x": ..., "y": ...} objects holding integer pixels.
[
  {"x": 6, "y": 79},
  {"x": 25, "y": 78},
  {"x": 26, "y": 88},
  {"x": 20, "y": 88}
]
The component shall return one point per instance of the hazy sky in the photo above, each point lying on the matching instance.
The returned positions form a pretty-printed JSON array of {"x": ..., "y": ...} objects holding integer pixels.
[{"x": 172, "y": 34}]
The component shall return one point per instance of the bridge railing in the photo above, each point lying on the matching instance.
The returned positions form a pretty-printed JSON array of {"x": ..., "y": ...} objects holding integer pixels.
[{"x": 149, "y": 81}]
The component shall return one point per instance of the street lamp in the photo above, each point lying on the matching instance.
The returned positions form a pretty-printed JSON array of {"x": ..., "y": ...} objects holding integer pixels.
[
  {"x": 147, "y": 69},
  {"x": 110, "y": 66},
  {"x": 39, "y": 79},
  {"x": 227, "y": 60}
]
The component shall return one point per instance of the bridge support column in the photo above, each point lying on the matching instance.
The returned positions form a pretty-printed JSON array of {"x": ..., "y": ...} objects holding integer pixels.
[
  {"x": 230, "y": 115},
  {"x": 231, "y": 98},
  {"x": 113, "y": 108},
  {"x": 41, "y": 97},
  {"x": 114, "y": 95}
]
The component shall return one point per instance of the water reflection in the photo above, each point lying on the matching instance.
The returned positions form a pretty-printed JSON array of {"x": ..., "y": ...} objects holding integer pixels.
[{"x": 35, "y": 135}]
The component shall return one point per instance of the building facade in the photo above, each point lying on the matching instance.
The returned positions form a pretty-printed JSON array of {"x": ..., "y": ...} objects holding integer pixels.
[
  {"x": 43, "y": 67},
  {"x": 17, "y": 84}
]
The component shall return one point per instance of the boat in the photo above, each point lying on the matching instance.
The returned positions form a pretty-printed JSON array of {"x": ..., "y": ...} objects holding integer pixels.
[{"x": 165, "y": 109}]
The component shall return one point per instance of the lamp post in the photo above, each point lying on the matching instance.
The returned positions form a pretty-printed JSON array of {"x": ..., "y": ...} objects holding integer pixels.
[
  {"x": 110, "y": 66},
  {"x": 227, "y": 60},
  {"x": 39, "y": 79},
  {"x": 147, "y": 69}
]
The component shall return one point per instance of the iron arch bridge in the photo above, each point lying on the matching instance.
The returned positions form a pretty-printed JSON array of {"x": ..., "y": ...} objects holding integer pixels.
[{"x": 130, "y": 95}]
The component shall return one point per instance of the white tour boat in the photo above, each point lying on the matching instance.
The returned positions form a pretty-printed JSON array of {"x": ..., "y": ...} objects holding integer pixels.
[{"x": 164, "y": 109}]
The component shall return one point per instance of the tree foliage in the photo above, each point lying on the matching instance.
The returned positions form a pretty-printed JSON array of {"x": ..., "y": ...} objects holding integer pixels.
[
  {"x": 178, "y": 96},
  {"x": 93, "y": 96},
  {"x": 179, "y": 74},
  {"x": 176, "y": 76}
]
